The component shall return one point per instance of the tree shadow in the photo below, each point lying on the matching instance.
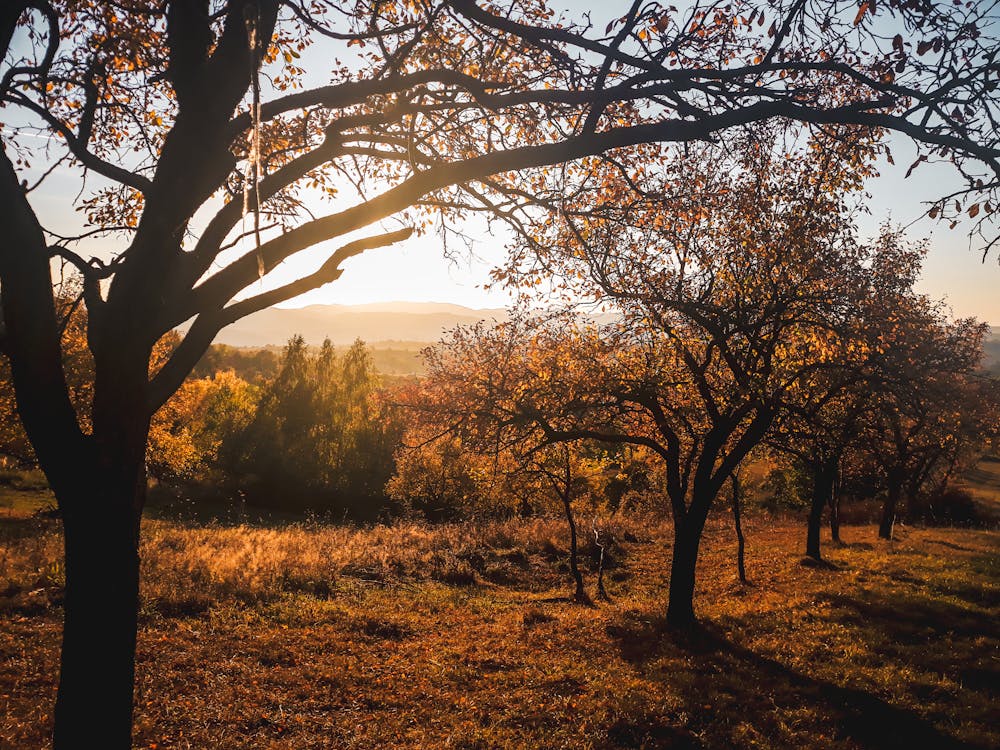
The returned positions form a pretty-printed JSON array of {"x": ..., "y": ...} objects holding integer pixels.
[
  {"x": 951, "y": 545},
  {"x": 841, "y": 544},
  {"x": 13, "y": 528},
  {"x": 731, "y": 680},
  {"x": 820, "y": 564},
  {"x": 933, "y": 634}
]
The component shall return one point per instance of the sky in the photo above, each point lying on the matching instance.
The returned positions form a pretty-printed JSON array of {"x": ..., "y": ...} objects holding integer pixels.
[{"x": 418, "y": 270}]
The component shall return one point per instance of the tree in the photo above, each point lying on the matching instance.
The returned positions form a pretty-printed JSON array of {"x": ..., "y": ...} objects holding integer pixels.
[
  {"x": 732, "y": 275},
  {"x": 917, "y": 366},
  {"x": 319, "y": 437},
  {"x": 470, "y": 401},
  {"x": 817, "y": 431},
  {"x": 820, "y": 419},
  {"x": 436, "y": 478},
  {"x": 160, "y": 103},
  {"x": 922, "y": 374}
]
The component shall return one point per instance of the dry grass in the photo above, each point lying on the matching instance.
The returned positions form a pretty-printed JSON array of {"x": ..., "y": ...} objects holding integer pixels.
[{"x": 459, "y": 636}]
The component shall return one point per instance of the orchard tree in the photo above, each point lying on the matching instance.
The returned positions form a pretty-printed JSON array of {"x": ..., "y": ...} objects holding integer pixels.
[
  {"x": 817, "y": 429},
  {"x": 916, "y": 413},
  {"x": 473, "y": 398},
  {"x": 727, "y": 291},
  {"x": 918, "y": 366},
  {"x": 732, "y": 277},
  {"x": 187, "y": 115}
]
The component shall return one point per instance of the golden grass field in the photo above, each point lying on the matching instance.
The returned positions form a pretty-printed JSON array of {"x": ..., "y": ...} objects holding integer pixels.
[{"x": 459, "y": 636}]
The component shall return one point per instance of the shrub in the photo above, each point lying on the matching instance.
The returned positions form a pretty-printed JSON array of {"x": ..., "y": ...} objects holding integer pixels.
[{"x": 950, "y": 507}]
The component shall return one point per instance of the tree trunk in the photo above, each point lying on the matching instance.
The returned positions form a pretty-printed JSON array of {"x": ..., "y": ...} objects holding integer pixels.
[
  {"x": 889, "y": 508},
  {"x": 680, "y": 609},
  {"x": 835, "y": 511},
  {"x": 822, "y": 492},
  {"x": 687, "y": 538},
  {"x": 574, "y": 554},
  {"x": 101, "y": 524},
  {"x": 601, "y": 592},
  {"x": 740, "y": 541},
  {"x": 97, "y": 669}
]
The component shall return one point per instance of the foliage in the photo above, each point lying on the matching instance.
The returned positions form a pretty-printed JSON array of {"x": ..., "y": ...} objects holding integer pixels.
[
  {"x": 250, "y": 365},
  {"x": 786, "y": 488},
  {"x": 441, "y": 480},
  {"x": 321, "y": 434}
]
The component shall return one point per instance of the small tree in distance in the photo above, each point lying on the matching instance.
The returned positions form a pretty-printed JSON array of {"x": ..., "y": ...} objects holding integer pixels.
[{"x": 467, "y": 407}]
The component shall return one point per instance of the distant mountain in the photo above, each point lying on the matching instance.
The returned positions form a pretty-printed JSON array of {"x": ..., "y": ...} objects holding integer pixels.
[
  {"x": 991, "y": 350},
  {"x": 375, "y": 322}
]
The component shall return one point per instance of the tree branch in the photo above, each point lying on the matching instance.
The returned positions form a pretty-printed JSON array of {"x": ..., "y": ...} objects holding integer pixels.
[{"x": 209, "y": 322}]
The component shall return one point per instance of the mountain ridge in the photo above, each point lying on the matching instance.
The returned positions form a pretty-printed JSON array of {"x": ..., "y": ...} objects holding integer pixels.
[{"x": 342, "y": 324}]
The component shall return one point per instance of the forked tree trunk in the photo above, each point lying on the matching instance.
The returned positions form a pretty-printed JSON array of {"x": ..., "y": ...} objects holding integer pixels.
[
  {"x": 823, "y": 479},
  {"x": 97, "y": 668}
]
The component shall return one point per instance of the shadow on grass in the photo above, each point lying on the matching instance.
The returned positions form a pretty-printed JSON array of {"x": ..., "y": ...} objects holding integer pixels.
[
  {"x": 13, "y": 528},
  {"x": 719, "y": 678},
  {"x": 951, "y": 545},
  {"x": 935, "y": 635}
]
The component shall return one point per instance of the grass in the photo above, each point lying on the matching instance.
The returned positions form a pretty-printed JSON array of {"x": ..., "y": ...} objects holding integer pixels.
[
  {"x": 460, "y": 636},
  {"x": 983, "y": 483}
]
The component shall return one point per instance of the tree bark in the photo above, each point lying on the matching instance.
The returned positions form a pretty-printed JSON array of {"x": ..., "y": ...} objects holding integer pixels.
[
  {"x": 823, "y": 479},
  {"x": 101, "y": 523},
  {"x": 574, "y": 553},
  {"x": 889, "y": 507},
  {"x": 740, "y": 541},
  {"x": 680, "y": 609},
  {"x": 835, "y": 510},
  {"x": 687, "y": 538},
  {"x": 97, "y": 668}
]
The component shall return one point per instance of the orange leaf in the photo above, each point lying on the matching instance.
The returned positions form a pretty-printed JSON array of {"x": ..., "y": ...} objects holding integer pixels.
[{"x": 861, "y": 13}]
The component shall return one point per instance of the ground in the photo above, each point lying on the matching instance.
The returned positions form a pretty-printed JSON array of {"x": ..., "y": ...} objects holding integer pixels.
[{"x": 310, "y": 636}]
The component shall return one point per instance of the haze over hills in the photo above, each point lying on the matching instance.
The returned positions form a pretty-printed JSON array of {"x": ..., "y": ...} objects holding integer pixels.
[
  {"x": 402, "y": 325},
  {"x": 374, "y": 322}
]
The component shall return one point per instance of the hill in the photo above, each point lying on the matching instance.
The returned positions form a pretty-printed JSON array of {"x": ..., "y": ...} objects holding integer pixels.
[{"x": 378, "y": 322}]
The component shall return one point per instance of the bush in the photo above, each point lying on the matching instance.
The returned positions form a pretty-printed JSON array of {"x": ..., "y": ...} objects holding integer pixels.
[
  {"x": 786, "y": 488},
  {"x": 951, "y": 507}
]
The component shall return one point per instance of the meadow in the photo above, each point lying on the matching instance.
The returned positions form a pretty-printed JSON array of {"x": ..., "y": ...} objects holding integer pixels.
[{"x": 304, "y": 635}]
